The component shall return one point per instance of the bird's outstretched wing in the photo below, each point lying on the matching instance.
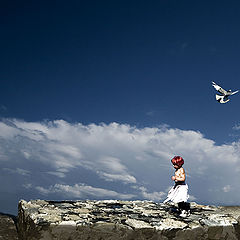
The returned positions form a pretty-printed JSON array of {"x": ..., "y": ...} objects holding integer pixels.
[
  {"x": 219, "y": 89},
  {"x": 234, "y": 92}
]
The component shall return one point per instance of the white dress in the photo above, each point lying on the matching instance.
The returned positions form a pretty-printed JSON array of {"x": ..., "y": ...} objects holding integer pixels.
[{"x": 178, "y": 194}]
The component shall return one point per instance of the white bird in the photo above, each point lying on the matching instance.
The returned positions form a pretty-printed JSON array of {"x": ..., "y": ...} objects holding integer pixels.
[{"x": 223, "y": 98}]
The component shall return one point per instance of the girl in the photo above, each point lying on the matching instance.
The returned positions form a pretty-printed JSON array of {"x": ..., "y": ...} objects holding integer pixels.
[{"x": 179, "y": 192}]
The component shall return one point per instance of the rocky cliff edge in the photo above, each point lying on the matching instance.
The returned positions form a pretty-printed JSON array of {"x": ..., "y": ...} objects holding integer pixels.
[{"x": 124, "y": 220}]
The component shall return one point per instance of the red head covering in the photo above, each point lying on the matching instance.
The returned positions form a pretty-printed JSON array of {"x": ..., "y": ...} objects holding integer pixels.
[{"x": 177, "y": 160}]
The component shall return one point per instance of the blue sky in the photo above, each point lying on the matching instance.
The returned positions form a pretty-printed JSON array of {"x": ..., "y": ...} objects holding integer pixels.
[{"x": 97, "y": 96}]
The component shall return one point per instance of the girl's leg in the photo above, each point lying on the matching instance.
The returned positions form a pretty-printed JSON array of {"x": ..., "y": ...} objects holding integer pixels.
[
  {"x": 181, "y": 206},
  {"x": 184, "y": 208}
]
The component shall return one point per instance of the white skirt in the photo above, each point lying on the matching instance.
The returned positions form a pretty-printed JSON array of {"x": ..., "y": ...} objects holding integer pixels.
[{"x": 178, "y": 194}]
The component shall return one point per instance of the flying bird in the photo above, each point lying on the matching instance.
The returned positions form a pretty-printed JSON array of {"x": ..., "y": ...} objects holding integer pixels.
[{"x": 223, "y": 97}]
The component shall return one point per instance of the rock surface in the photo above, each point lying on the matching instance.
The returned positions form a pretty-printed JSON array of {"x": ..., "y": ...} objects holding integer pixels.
[
  {"x": 8, "y": 229},
  {"x": 124, "y": 220}
]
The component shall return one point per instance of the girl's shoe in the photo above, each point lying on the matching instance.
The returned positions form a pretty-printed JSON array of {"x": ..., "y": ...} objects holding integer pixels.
[{"x": 184, "y": 213}]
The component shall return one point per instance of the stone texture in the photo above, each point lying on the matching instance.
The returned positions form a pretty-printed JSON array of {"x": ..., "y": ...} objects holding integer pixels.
[
  {"x": 8, "y": 229},
  {"x": 124, "y": 220}
]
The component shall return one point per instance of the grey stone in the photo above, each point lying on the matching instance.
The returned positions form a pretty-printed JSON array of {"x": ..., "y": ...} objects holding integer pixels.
[{"x": 124, "y": 220}]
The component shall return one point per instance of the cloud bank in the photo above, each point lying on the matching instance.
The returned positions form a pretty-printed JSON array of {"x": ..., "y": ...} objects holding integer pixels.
[{"x": 62, "y": 160}]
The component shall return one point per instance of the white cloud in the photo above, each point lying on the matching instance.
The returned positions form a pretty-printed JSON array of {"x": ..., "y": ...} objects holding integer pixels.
[
  {"x": 27, "y": 185},
  {"x": 117, "y": 177},
  {"x": 27, "y": 155},
  {"x": 236, "y": 127},
  {"x": 20, "y": 171},
  {"x": 226, "y": 188},
  {"x": 150, "y": 113},
  {"x": 82, "y": 191},
  {"x": 58, "y": 154},
  {"x": 154, "y": 196},
  {"x": 113, "y": 169},
  {"x": 58, "y": 174}
]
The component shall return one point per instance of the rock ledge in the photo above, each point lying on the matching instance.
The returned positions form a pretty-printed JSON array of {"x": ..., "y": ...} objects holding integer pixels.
[{"x": 124, "y": 220}]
